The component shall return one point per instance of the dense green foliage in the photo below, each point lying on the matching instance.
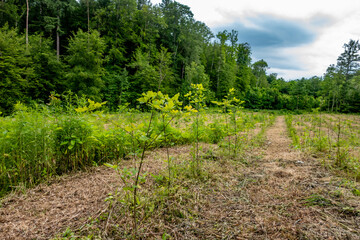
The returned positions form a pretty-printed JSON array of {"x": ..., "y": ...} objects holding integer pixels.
[{"x": 114, "y": 50}]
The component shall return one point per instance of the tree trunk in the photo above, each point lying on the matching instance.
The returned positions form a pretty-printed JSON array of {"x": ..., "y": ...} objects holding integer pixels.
[
  {"x": 218, "y": 81},
  {"x": 27, "y": 25},
  {"x": 88, "y": 19},
  {"x": 88, "y": 16},
  {"x": 212, "y": 61},
  {"x": 58, "y": 39},
  {"x": 121, "y": 90},
  {"x": 183, "y": 71}
]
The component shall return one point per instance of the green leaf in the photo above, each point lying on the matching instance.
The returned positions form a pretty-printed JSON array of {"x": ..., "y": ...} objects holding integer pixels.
[
  {"x": 130, "y": 189},
  {"x": 111, "y": 166},
  {"x": 356, "y": 192},
  {"x": 143, "y": 138}
]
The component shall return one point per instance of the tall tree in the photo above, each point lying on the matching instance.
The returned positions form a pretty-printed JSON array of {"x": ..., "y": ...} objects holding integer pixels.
[
  {"x": 332, "y": 86},
  {"x": 15, "y": 69},
  {"x": 86, "y": 64},
  {"x": 243, "y": 60},
  {"x": 115, "y": 21},
  {"x": 53, "y": 21},
  {"x": 183, "y": 36},
  {"x": 259, "y": 70},
  {"x": 88, "y": 16},
  {"x": 195, "y": 74},
  {"x": 348, "y": 61},
  {"x": 223, "y": 37},
  {"x": 145, "y": 75},
  {"x": 12, "y": 11},
  {"x": 116, "y": 87},
  {"x": 347, "y": 66},
  {"x": 48, "y": 72},
  {"x": 354, "y": 93}
]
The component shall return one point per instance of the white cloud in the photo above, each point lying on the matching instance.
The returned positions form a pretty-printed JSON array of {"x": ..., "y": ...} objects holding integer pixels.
[
  {"x": 334, "y": 22},
  {"x": 318, "y": 55}
]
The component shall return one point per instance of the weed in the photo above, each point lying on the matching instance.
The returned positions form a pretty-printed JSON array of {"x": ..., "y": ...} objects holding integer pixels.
[
  {"x": 356, "y": 192},
  {"x": 317, "y": 200}
]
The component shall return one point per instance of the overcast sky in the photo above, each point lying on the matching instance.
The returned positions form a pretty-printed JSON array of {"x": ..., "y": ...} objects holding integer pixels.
[{"x": 296, "y": 38}]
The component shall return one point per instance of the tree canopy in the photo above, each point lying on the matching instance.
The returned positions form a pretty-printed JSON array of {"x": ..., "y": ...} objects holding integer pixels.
[{"x": 114, "y": 50}]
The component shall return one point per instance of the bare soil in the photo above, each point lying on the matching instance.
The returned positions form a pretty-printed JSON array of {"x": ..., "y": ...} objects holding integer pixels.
[{"x": 269, "y": 192}]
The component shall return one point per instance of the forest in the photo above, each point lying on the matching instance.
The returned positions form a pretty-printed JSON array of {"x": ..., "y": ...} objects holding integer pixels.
[{"x": 114, "y": 50}]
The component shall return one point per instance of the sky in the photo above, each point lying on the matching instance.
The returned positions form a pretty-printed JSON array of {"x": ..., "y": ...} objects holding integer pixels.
[{"x": 296, "y": 38}]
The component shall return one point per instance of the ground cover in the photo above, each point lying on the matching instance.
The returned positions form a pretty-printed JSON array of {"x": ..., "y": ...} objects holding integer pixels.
[
  {"x": 335, "y": 138},
  {"x": 269, "y": 190}
]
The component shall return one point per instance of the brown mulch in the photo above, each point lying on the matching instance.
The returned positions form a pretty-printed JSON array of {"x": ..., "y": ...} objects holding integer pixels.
[{"x": 41, "y": 212}]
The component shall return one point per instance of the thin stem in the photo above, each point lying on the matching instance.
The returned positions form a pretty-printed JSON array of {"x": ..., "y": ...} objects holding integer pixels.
[
  {"x": 167, "y": 152},
  {"x": 227, "y": 130},
  {"x": 27, "y": 25},
  {"x": 197, "y": 140},
  {"x": 338, "y": 144},
  {"x": 235, "y": 146},
  {"x": 138, "y": 175}
]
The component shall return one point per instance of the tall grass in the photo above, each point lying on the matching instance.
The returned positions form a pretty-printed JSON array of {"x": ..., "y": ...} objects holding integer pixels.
[
  {"x": 35, "y": 145},
  {"x": 27, "y": 148}
]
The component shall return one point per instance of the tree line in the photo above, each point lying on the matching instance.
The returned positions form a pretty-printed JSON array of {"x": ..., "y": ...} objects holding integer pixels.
[{"x": 114, "y": 50}]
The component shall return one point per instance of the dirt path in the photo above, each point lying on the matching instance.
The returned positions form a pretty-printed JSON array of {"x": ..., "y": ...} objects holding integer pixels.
[{"x": 267, "y": 199}]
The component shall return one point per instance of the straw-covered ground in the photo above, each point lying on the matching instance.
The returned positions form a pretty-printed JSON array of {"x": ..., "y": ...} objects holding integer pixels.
[{"x": 267, "y": 192}]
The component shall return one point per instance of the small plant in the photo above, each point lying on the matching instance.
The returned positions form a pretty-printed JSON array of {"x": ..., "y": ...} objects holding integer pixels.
[
  {"x": 168, "y": 108},
  {"x": 142, "y": 140},
  {"x": 356, "y": 192},
  {"x": 216, "y": 132},
  {"x": 317, "y": 200},
  {"x": 196, "y": 98},
  {"x": 92, "y": 106},
  {"x": 71, "y": 135},
  {"x": 230, "y": 106},
  {"x": 292, "y": 131},
  {"x": 341, "y": 152}
]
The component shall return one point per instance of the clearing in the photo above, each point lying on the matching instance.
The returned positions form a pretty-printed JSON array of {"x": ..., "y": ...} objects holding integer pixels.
[{"x": 272, "y": 192}]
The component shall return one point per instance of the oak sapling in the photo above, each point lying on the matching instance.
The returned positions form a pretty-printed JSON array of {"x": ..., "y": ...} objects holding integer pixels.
[
  {"x": 230, "y": 105},
  {"x": 196, "y": 97},
  {"x": 143, "y": 139},
  {"x": 169, "y": 109}
]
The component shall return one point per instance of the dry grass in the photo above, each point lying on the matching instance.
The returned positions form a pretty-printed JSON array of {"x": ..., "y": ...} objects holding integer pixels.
[{"x": 47, "y": 209}]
